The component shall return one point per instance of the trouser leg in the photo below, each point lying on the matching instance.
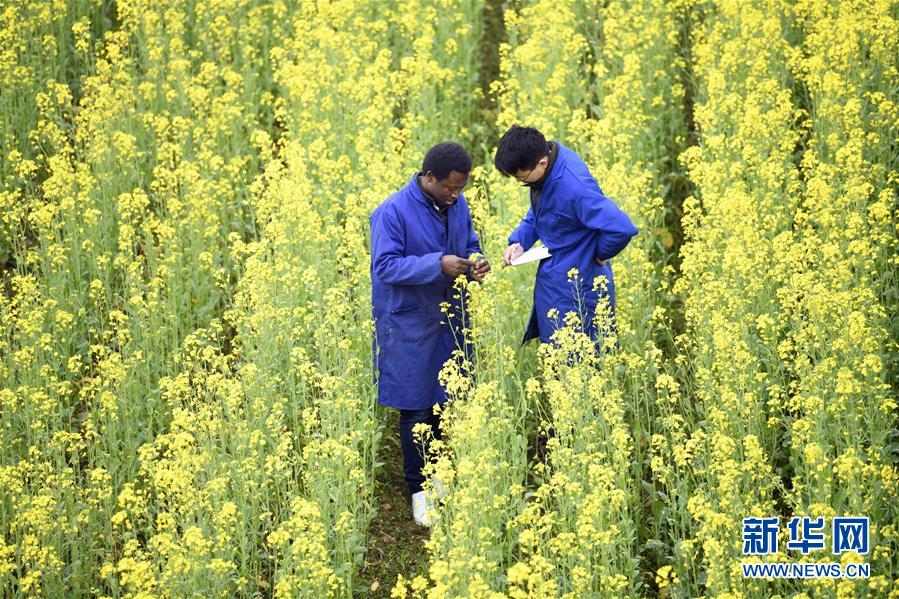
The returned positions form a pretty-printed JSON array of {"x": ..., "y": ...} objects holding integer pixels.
[{"x": 413, "y": 451}]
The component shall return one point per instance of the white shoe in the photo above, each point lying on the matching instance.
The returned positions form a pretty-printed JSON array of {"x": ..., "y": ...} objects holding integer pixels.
[{"x": 420, "y": 508}]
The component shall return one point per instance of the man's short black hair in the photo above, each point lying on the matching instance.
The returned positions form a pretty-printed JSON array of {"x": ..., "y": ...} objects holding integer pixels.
[
  {"x": 520, "y": 149},
  {"x": 444, "y": 158}
]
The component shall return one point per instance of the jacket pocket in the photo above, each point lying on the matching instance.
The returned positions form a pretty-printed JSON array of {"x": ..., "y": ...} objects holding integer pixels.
[
  {"x": 407, "y": 324},
  {"x": 404, "y": 309}
]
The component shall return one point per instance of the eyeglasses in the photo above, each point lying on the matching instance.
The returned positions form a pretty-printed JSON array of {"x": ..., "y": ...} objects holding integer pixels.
[{"x": 524, "y": 180}]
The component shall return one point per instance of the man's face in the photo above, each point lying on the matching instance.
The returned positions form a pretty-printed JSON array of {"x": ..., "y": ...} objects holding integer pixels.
[
  {"x": 447, "y": 190},
  {"x": 533, "y": 175}
]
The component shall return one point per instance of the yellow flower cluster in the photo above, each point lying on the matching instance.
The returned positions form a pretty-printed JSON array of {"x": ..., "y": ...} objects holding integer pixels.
[
  {"x": 787, "y": 332},
  {"x": 123, "y": 248},
  {"x": 188, "y": 405},
  {"x": 44, "y": 46},
  {"x": 542, "y": 68},
  {"x": 841, "y": 407},
  {"x": 737, "y": 232}
]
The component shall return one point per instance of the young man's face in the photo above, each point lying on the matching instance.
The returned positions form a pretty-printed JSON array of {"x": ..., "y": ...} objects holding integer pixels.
[
  {"x": 447, "y": 190},
  {"x": 533, "y": 175}
]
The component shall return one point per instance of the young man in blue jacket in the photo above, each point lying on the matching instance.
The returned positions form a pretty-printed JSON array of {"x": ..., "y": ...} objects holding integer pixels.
[
  {"x": 421, "y": 239},
  {"x": 579, "y": 225}
]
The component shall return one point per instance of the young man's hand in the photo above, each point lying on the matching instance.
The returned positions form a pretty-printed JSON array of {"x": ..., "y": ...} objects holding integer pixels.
[
  {"x": 512, "y": 252},
  {"x": 479, "y": 270},
  {"x": 600, "y": 262},
  {"x": 453, "y": 266}
]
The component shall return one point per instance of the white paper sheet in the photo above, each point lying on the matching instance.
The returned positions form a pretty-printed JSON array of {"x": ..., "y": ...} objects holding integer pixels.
[{"x": 538, "y": 252}]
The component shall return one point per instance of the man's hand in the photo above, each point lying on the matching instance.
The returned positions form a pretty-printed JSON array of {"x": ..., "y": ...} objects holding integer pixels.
[
  {"x": 600, "y": 262},
  {"x": 480, "y": 270},
  {"x": 453, "y": 266},
  {"x": 511, "y": 253}
]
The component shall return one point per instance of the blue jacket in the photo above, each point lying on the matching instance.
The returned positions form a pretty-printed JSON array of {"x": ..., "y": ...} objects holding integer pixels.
[
  {"x": 577, "y": 223},
  {"x": 408, "y": 239}
]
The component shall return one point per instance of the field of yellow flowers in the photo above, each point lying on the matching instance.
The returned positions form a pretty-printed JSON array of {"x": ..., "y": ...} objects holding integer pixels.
[{"x": 187, "y": 406}]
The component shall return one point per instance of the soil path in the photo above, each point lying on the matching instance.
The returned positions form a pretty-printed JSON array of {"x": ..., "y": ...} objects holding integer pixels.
[{"x": 396, "y": 542}]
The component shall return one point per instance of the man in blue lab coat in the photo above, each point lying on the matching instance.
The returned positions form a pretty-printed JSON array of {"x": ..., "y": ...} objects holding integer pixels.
[
  {"x": 578, "y": 224},
  {"x": 421, "y": 239}
]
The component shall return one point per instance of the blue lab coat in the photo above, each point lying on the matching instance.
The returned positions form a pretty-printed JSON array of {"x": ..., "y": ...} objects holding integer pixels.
[
  {"x": 577, "y": 223},
  {"x": 408, "y": 239}
]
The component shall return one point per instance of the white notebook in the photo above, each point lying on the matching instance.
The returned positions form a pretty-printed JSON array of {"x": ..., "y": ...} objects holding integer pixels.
[{"x": 538, "y": 252}]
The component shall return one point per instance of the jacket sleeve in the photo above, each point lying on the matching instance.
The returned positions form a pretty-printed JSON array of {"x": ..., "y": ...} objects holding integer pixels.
[
  {"x": 389, "y": 262},
  {"x": 597, "y": 212},
  {"x": 526, "y": 233}
]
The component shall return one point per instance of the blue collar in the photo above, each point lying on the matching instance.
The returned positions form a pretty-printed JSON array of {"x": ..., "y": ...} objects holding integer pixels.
[
  {"x": 416, "y": 190},
  {"x": 559, "y": 166}
]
